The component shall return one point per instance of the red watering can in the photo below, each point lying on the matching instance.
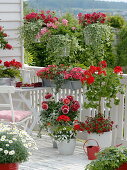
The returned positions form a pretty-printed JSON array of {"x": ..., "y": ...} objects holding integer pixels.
[{"x": 91, "y": 150}]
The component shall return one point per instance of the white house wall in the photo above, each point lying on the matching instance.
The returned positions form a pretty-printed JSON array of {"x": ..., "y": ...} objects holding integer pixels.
[{"x": 11, "y": 13}]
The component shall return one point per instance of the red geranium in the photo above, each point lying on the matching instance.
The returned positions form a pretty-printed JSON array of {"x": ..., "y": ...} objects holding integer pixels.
[
  {"x": 118, "y": 69},
  {"x": 63, "y": 118}
]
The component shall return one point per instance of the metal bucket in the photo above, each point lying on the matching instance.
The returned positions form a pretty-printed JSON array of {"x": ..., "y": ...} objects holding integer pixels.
[{"x": 5, "y": 81}]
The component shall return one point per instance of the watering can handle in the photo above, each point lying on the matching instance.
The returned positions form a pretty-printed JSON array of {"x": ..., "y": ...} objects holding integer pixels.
[{"x": 86, "y": 142}]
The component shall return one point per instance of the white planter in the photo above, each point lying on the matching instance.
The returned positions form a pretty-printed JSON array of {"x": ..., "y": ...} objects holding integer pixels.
[
  {"x": 66, "y": 148},
  {"x": 104, "y": 140},
  {"x": 7, "y": 82}
]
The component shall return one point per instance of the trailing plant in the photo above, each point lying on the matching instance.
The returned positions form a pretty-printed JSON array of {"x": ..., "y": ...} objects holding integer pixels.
[{"x": 98, "y": 43}]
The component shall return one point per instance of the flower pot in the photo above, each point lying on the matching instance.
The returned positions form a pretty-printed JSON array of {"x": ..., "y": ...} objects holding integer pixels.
[
  {"x": 48, "y": 83},
  {"x": 6, "y": 81},
  {"x": 73, "y": 85},
  {"x": 122, "y": 167},
  {"x": 67, "y": 148},
  {"x": 104, "y": 139},
  {"x": 76, "y": 84},
  {"x": 9, "y": 166}
]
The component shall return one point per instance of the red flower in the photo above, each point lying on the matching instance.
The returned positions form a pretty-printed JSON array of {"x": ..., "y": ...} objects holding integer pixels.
[
  {"x": 48, "y": 96},
  {"x": 66, "y": 101},
  {"x": 118, "y": 69},
  {"x": 90, "y": 80},
  {"x": 78, "y": 127},
  {"x": 8, "y": 46},
  {"x": 63, "y": 118},
  {"x": 7, "y": 64},
  {"x": 93, "y": 69},
  {"x": 102, "y": 72},
  {"x": 0, "y": 61},
  {"x": 70, "y": 98},
  {"x": 45, "y": 106},
  {"x": 74, "y": 107},
  {"x": 4, "y": 34},
  {"x": 103, "y": 64},
  {"x": 65, "y": 109}
]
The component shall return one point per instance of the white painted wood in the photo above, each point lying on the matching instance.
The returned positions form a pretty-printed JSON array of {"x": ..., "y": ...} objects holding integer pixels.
[
  {"x": 11, "y": 14},
  {"x": 10, "y": 25},
  {"x": 12, "y": 8},
  {"x": 9, "y": 1},
  {"x": 13, "y": 52}
]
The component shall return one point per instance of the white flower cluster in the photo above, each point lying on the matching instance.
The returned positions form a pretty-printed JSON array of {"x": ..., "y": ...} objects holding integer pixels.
[
  {"x": 26, "y": 139},
  {"x": 3, "y": 139}
]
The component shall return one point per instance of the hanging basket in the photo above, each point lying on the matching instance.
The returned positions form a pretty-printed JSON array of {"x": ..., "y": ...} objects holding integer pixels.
[{"x": 9, "y": 166}]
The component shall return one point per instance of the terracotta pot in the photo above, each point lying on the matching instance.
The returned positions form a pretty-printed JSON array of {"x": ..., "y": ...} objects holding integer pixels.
[
  {"x": 9, "y": 166},
  {"x": 122, "y": 167}
]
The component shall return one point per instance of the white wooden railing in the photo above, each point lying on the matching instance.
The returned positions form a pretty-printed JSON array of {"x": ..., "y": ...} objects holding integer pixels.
[{"x": 117, "y": 113}]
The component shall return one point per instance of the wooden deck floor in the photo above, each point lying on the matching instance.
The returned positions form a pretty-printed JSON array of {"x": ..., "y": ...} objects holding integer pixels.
[{"x": 48, "y": 158}]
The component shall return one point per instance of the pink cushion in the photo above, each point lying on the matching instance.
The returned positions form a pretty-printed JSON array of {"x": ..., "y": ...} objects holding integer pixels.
[{"x": 19, "y": 115}]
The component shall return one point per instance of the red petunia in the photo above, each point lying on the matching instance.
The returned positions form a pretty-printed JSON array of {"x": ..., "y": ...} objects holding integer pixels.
[
  {"x": 0, "y": 61},
  {"x": 48, "y": 96},
  {"x": 90, "y": 80},
  {"x": 118, "y": 69},
  {"x": 7, "y": 64},
  {"x": 78, "y": 127},
  {"x": 45, "y": 106},
  {"x": 63, "y": 118}
]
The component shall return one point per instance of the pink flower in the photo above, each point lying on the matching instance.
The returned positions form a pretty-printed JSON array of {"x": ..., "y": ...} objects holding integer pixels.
[
  {"x": 65, "y": 109},
  {"x": 73, "y": 28},
  {"x": 51, "y": 25},
  {"x": 44, "y": 31},
  {"x": 65, "y": 22}
]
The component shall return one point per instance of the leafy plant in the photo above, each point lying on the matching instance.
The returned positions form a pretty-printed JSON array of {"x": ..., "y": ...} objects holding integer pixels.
[
  {"x": 109, "y": 159},
  {"x": 98, "y": 43},
  {"x": 58, "y": 112},
  {"x": 102, "y": 82},
  {"x": 116, "y": 21}
]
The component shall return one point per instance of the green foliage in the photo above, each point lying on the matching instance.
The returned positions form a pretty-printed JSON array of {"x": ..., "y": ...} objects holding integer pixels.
[
  {"x": 12, "y": 149},
  {"x": 116, "y": 21},
  {"x": 109, "y": 159},
  {"x": 122, "y": 47},
  {"x": 106, "y": 84},
  {"x": 61, "y": 133},
  {"x": 98, "y": 44}
]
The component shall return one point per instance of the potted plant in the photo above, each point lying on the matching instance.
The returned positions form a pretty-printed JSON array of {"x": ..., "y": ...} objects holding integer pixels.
[
  {"x": 9, "y": 70},
  {"x": 99, "y": 128},
  {"x": 53, "y": 109},
  {"x": 101, "y": 82},
  {"x": 112, "y": 158},
  {"x": 15, "y": 146},
  {"x": 4, "y": 43},
  {"x": 65, "y": 135},
  {"x": 73, "y": 78}
]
